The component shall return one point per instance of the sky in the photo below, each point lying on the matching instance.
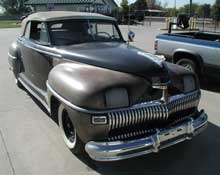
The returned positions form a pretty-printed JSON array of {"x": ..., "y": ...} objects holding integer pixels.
[{"x": 179, "y": 3}]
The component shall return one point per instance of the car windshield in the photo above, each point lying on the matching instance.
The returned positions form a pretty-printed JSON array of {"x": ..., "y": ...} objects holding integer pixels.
[{"x": 70, "y": 32}]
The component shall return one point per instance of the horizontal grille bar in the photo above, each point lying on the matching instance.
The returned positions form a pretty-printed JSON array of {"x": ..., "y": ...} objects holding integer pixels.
[
  {"x": 130, "y": 134},
  {"x": 153, "y": 111}
]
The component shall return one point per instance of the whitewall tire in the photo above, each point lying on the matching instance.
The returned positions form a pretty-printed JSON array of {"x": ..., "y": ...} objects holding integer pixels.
[{"x": 68, "y": 131}]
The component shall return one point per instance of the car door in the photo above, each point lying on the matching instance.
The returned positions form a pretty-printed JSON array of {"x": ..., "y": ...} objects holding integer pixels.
[
  {"x": 36, "y": 56},
  {"x": 43, "y": 55},
  {"x": 27, "y": 56}
]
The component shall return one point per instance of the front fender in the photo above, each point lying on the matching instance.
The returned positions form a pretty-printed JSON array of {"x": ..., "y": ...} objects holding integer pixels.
[
  {"x": 85, "y": 85},
  {"x": 176, "y": 73}
]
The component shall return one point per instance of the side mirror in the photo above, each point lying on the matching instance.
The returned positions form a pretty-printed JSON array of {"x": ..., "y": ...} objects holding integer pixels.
[{"x": 131, "y": 36}]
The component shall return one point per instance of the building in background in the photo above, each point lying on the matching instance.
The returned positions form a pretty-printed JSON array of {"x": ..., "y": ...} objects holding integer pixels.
[{"x": 106, "y": 7}]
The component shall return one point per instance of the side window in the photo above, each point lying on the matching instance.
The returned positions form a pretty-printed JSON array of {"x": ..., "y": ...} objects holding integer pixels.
[
  {"x": 27, "y": 31},
  {"x": 108, "y": 28},
  {"x": 38, "y": 32},
  {"x": 104, "y": 30}
]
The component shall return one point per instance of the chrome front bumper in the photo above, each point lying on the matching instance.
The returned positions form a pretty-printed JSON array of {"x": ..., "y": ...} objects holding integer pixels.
[{"x": 118, "y": 150}]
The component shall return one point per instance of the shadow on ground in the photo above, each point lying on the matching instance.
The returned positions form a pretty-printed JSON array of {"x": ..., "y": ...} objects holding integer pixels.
[
  {"x": 200, "y": 156},
  {"x": 211, "y": 84}
]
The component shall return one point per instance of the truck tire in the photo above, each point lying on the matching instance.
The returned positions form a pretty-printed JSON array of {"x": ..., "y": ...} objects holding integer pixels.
[
  {"x": 68, "y": 132},
  {"x": 188, "y": 64}
]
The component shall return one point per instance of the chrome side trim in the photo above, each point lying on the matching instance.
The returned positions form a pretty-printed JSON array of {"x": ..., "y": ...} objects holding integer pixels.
[
  {"x": 45, "y": 52},
  {"x": 142, "y": 105},
  {"x": 41, "y": 51},
  {"x": 13, "y": 57},
  {"x": 119, "y": 150},
  {"x": 34, "y": 94}
]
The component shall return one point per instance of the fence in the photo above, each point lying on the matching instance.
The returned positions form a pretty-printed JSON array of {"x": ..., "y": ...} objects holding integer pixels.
[
  {"x": 14, "y": 17},
  {"x": 204, "y": 24},
  {"x": 192, "y": 23}
]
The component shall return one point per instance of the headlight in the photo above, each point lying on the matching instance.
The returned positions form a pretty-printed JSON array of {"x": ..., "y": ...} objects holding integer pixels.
[
  {"x": 189, "y": 83},
  {"x": 116, "y": 98}
]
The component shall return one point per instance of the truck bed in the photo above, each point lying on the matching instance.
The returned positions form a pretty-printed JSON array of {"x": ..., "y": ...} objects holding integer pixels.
[{"x": 199, "y": 35}]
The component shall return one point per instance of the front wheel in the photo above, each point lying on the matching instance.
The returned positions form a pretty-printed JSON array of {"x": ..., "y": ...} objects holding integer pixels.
[{"x": 68, "y": 131}]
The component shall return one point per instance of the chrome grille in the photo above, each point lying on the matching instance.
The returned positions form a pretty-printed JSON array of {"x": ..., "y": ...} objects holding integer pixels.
[{"x": 152, "y": 111}]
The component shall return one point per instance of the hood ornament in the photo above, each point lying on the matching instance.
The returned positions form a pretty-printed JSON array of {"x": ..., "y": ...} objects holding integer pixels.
[{"x": 165, "y": 94}]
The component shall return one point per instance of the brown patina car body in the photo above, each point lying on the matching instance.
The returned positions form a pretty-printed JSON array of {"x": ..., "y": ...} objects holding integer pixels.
[{"x": 110, "y": 99}]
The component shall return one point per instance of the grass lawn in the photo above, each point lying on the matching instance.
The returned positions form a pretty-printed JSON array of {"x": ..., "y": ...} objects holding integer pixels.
[{"x": 9, "y": 24}]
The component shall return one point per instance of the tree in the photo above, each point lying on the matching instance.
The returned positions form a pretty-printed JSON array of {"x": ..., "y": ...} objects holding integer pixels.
[
  {"x": 207, "y": 10},
  {"x": 171, "y": 12},
  {"x": 22, "y": 7},
  {"x": 158, "y": 5},
  {"x": 151, "y": 3},
  {"x": 204, "y": 11},
  {"x": 186, "y": 8},
  {"x": 154, "y": 4},
  {"x": 201, "y": 11},
  {"x": 13, "y": 6},
  {"x": 165, "y": 4},
  {"x": 216, "y": 10},
  {"x": 140, "y": 5},
  {"x": 124, "y": 6}
]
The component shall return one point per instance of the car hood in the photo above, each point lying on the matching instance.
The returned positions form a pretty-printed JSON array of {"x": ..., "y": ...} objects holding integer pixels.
[{"x": 117, "y": 56}]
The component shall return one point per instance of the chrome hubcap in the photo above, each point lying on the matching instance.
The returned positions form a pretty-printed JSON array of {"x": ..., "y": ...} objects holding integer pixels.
[{"x": 188, "y": 66}]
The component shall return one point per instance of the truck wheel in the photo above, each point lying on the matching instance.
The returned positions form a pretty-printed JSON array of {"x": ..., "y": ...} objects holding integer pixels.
[
  {"x": 68, "y": 131},
  {"x": 188, "y": 64}
]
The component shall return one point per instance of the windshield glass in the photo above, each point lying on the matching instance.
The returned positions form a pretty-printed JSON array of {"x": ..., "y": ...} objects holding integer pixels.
[{"x": 70, "y": 32}]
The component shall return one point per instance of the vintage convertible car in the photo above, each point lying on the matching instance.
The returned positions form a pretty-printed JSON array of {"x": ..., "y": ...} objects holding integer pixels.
[{"x": 110, "y": 99}]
